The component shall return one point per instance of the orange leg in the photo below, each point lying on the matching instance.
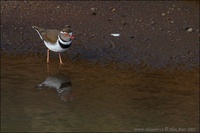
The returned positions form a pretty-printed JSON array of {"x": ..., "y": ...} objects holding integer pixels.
[
  {"x": 48, "y": 51},
  {"x": 60, "y": 58}
]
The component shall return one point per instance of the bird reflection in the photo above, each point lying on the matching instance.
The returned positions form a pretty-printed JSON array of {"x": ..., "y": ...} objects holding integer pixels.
[{"x": 60, "y": 82}]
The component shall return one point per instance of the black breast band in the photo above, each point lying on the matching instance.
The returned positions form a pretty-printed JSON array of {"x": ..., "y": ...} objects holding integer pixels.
[{"x": 64, "y": 45}]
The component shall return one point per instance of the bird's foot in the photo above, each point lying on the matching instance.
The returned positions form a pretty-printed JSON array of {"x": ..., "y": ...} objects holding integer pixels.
[{"x": 61, "y": 63}]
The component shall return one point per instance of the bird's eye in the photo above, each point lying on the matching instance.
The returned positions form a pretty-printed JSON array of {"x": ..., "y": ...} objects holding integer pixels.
[{"x": 66, "y": 34}]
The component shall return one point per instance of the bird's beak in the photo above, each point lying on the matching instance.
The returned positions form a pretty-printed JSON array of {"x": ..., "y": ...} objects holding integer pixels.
[{"x": 72, "y": 37}]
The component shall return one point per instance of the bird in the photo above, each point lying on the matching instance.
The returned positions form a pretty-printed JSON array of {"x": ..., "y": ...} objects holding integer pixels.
[
  {"x": 61, "y": 83},
  {"x": 56, "y": 40}
]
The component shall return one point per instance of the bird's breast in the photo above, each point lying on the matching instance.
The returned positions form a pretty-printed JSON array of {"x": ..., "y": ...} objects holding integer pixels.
[
  {"x": 55, "y": 47},
  {"x": 66, "y": 45}
]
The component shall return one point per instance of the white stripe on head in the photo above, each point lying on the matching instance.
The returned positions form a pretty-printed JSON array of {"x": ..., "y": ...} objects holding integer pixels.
[
  {"x": 66, "y": 33},
  {"x": 63, "y": 32}
]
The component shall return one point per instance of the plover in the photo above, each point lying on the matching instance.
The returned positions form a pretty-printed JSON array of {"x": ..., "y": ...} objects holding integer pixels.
[
  {"x": 56, "y": 40},
  {"x": 61, "y": 83}
]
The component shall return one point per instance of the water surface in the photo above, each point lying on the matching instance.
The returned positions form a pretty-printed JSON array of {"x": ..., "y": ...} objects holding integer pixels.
[{"x": 104, "y": 98}]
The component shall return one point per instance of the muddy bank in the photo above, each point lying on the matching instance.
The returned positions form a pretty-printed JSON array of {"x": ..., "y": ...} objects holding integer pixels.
[{"x": 156, "y": 34}]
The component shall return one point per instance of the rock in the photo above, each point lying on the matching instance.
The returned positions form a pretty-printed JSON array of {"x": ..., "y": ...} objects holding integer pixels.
[
  {"x": 109, "y": 19},
  {"x": 113, "y": 9},
  {"x": 93, "y": 11},
  {"x": 123, "y": 15},
  {"x": 131, "y": 36},
  {"x": 124, "y": 23},
  {"x": 188, "y": 29},
  {"x": 146, "y": 39},
  {"x": 152, "y": 23},
  {"x": 163, "y": 14}
]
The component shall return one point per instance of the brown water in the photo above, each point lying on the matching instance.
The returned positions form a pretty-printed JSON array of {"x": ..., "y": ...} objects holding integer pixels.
[{"x": 104, "y": 98}]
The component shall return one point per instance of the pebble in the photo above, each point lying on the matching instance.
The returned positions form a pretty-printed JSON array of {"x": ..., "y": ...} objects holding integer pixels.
[
  {"x": 113, "y": 9},
  {"x": 131, "y": 36},
  {"x": 109, "y": 19},
  {"x": 163, "y": 14},
  {"x": 168, "y": 31},
  {"x": 189, "y": 30},
  {"x": 93, "y": 11},
  {"x": 153, "y": 23},
  {"x": 146, "y": 39},
  {"x": 115, "y": 34},
  {"x": 124, "y": 23}
]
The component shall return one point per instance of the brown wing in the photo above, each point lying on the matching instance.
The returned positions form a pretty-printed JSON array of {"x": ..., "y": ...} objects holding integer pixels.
[
  {"x": 47, "y": 35},
  {"x": 38, "y": 29},
  {"x": 50, "y": 35}
]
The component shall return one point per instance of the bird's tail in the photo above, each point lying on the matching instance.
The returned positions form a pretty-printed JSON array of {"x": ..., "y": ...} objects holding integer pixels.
[
  {"x": 39, "y": 31},
  {"x": 38, "y": 28}
]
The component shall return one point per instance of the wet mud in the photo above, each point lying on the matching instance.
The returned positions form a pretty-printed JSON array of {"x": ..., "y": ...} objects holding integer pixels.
[{"x": 156, "y": 34}]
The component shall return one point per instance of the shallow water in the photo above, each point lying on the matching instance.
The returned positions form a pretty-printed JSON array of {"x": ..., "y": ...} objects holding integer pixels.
[{"x": 103, "y": 98}]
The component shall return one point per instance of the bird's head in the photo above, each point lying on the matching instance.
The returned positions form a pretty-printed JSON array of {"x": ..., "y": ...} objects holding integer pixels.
[{"x": 67, "y": 32}]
